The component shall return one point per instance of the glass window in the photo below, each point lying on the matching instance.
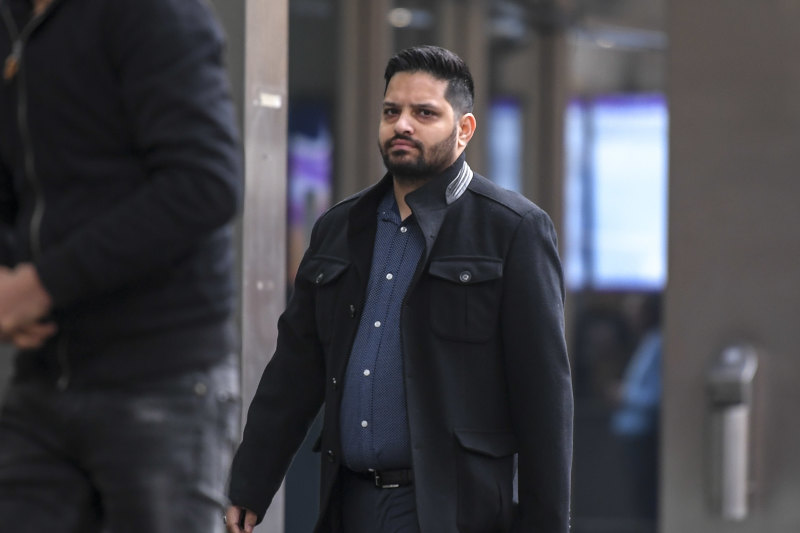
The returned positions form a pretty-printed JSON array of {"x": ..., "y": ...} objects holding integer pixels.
[{"x": 616, "y": 192}]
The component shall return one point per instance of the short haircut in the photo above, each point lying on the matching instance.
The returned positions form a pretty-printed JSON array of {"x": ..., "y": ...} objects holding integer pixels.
[{"x": 442, "y": 64}]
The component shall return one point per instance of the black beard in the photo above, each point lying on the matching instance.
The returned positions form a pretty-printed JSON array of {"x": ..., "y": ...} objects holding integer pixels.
[{"x": 429, "y": 163}]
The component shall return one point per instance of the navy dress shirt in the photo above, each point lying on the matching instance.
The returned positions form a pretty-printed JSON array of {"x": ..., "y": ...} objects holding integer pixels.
[{"x": 374, "y": 419}]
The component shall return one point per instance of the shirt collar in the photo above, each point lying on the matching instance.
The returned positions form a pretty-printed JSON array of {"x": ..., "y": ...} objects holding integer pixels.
[{"x": 387, "y": 208}]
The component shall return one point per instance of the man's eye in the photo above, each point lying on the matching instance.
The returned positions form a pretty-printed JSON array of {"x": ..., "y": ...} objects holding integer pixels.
[
  {"x": 389, "y": 112},
  {"x": 426, "y": 112}
]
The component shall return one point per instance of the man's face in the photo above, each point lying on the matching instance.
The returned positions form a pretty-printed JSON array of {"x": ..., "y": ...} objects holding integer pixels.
[{"x": 418, "y": 133}]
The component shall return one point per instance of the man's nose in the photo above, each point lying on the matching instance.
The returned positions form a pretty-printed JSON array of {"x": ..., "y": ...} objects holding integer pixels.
[{"x": 404, "y": 124}]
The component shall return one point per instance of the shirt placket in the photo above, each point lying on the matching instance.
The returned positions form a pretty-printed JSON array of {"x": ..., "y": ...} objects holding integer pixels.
[{"x": 379, "y": 308}]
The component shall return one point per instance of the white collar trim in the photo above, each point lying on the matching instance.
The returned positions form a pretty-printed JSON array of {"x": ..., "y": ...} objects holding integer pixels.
[{"x": 459, "y": 185}]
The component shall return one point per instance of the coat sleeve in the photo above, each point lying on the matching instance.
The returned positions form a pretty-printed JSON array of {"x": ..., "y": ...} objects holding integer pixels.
[
  {"x": 8, "y": 211},
  {"x": 538, "y": 375},
  {"x": 288, "y": 397},
  {"x": 168, "y": 56}
]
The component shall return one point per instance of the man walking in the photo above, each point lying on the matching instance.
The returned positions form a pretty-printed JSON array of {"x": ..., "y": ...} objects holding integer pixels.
[
  {"x": 427, "y": 317},
  {"x": 119, "y": 178}
]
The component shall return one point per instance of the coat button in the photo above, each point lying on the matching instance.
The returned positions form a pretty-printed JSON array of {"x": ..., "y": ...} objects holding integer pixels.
[
  {"x": 334, "y": 383},
  {"x": 465, "y": 276},
  {"x": 320, "y": 277},
  {"x": 331, "y": 456}
]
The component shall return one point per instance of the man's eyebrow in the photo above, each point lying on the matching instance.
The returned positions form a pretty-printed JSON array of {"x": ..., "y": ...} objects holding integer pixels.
[{"x": 421, "y": 105}]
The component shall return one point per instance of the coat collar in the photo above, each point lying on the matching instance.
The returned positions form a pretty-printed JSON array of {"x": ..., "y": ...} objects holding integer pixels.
[
  {"x": 428, "y": 204},
  {"x": 438, "y": 191}
]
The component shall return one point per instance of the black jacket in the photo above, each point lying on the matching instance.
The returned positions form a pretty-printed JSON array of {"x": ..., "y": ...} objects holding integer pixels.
[
  {"x": 485, "y": 365},
  {"x": 120, "y": 174}
]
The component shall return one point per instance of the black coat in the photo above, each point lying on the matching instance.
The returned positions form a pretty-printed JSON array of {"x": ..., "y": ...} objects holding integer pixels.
[{"x": 485, "y": 364}]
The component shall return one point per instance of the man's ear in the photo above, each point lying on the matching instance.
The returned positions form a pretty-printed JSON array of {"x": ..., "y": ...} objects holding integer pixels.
[{"x": 466, "y": 129}]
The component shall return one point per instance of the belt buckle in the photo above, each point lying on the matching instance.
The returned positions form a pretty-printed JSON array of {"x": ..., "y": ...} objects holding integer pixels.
[{"x": 380, "y": 484}]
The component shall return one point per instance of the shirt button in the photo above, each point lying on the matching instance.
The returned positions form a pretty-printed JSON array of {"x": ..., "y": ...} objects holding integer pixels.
[
  {"x": 367, "y": 372},
  {"x": 389, "y": 275},
  {"x": 377, "y": 323},
  {"x": 465, "y": 276},
  {"x": 403, "y": 229},
  {"x": 364, "y": 423}
]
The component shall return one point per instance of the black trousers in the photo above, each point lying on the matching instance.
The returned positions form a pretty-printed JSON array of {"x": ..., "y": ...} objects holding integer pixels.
[
  {"x": 151, "y": 457},
  {"x": 369, "y": 509}
]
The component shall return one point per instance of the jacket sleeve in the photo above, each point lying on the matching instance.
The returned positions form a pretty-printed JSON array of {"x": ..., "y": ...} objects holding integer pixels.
[
  {"x": 288, "y": 397},
  {"x": 8, "y": 210},
  {"x": 168, "y": 56},
  {"x": 538, "y": 375}
]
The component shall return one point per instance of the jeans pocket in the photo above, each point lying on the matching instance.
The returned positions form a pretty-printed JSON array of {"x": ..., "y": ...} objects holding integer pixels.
[{"x": 220, "y": 426}]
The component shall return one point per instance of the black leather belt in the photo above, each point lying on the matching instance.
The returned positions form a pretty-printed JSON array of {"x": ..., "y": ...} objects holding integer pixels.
[{"x": 388, "y": 479}]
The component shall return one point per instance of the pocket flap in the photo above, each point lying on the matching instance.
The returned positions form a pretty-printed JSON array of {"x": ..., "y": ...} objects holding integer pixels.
[
  {"x": 467, "y": 270},
  {"x": 321, "y": 270},
  {"x": 493, "y": 444}
]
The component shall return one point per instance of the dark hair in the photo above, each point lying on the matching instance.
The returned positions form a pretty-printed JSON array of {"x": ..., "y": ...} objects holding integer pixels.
[{"x": 440, "y": 63}]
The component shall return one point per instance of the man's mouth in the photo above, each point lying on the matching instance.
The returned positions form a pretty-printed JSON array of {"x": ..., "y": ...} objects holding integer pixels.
[{"x": 402, "y": 144}]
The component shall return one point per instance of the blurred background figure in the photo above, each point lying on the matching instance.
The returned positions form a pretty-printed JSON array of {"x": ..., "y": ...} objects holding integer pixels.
[
  {"x": 636, "y": 419},
  {"x": 617, "y": 362},
  {"x": 120, "y": 177}
]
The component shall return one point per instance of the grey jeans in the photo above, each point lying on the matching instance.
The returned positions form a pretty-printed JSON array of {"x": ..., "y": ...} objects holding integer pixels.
[{"x": 151, "y": 457}]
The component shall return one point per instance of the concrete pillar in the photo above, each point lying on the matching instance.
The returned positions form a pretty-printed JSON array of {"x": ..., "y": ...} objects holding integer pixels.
[
  {"x": 364, "y": 46},
  {"x": 257, "y": 33},
  {"x": 462, "y": 28},
  {"x": 264, "y": 223},
  {"x": 734, "y": 246}
]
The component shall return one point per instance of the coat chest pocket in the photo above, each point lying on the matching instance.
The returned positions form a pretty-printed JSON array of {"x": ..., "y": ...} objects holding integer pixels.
[
  {"x": 326, "y": 274},
  {"x": 465, "y": 297}
]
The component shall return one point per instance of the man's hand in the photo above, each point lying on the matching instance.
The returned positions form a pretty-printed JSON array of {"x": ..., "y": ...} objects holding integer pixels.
[
  {"x": 31, "y": 336},
  {"x": 23, "y": 301},
  {"x": 233, "y": 519}
]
